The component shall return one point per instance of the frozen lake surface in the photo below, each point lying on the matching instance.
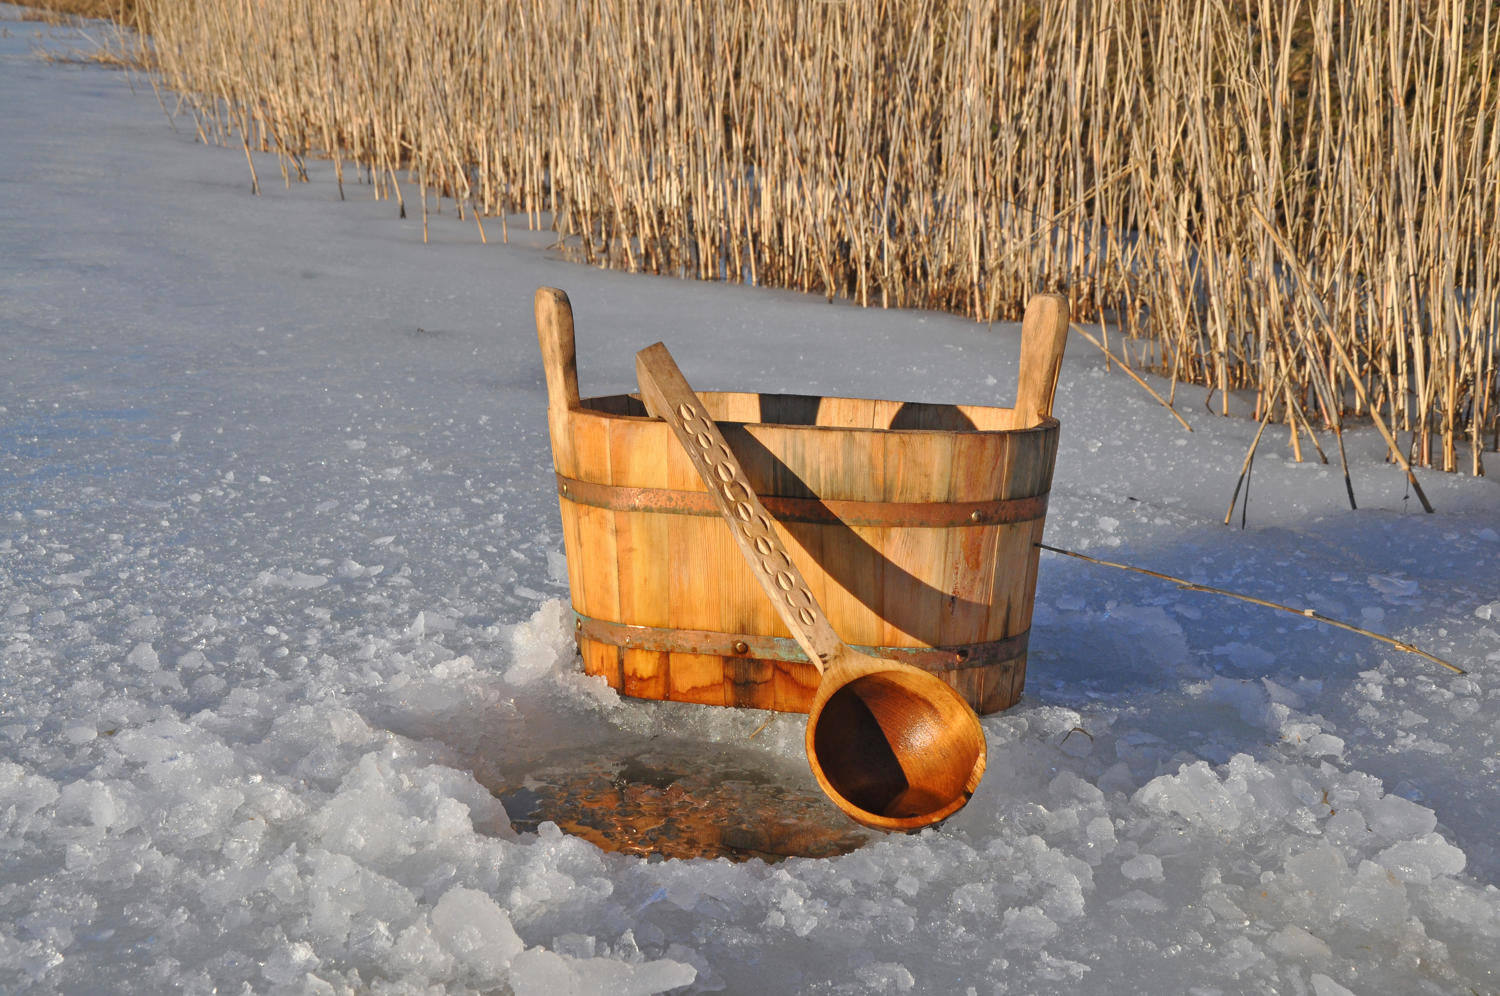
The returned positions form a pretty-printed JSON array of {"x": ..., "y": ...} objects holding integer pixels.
[{"x": 282, "y": 597}]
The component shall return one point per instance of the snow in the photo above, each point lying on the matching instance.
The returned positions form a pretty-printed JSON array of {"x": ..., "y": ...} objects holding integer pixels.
[{"x": 282, "y": 598}]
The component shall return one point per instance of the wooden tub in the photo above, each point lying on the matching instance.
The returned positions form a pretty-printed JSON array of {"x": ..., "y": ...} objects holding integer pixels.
[{"x": 914, "y": 524}]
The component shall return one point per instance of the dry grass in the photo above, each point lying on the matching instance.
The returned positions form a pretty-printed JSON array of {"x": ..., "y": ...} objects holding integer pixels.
[
  {"x": 57, "y": 10},
  {"x": 1291, "y": 198}
]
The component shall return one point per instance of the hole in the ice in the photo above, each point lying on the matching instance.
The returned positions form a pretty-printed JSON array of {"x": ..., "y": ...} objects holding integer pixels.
[{"x": 682, "y": 799}]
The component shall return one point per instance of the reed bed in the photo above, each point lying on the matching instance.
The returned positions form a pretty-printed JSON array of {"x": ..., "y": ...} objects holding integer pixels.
[{"x": 1291, "y": 198}]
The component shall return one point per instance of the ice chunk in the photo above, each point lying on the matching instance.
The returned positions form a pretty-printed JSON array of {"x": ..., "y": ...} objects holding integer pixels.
[
  {"x": 1246, "y": 657},
  {"x": 1294, "y": 942},
  {"x": 1142, "y": 866},
  {"x": 557, "y": 567},
  {"x": 1282, "y": 695},
  {"x": 1247, "y": 698},
  {"x": 1067, "y": 787},
  {"x": 418, "y": 952},
  {"x": 542, "y": 645},
  {"x": 142, "y": 628},
  {"x": 344, "y": 896},
  {"x": 99, "y": 803},
  {"x": 539, "y": 972},
  {"x": 79, "y": 733},
  {"x": 22, "y": 795},
  {"x": 285, "y": 577},
  {"x": 290, "y": 963},
  {"x": 1317, "y": 878},
  {"x": 478, "y": 933},
  {"x": 1393, "y": 589},
  {"x": 1421, "y": 860},
  {"x": 1324, "y": 986},
  {"x": 885, "y": 977},
  {"x": 1026, "y": 927},
  {"x": 427, "y": 621},
  {"x": 1376, "y": 901},
  {"x": 1240, "y": 955},
  {"x": 1395, "y": 818},
  {"x": 1135, "y": 899},
  {"x": 1325, "y": 745},
  {"x": 1100, "y": 832},
  {"x": 1194, "y": 793},
  {"x": 974, "y": 897},
  {"x": 143, "y": 657}
]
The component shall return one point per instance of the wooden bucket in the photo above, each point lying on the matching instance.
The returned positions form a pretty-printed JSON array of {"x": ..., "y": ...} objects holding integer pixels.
[{"x": 915, "y": 525}]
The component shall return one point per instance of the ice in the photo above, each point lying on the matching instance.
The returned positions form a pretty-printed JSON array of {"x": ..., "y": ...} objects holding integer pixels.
[
  {"x": 1420, "y": 860},
  {"x": 1142, "y": 866},
  {"x": 290, "y": 965},
  {"x": 1246, "y": 657},
  {"x": 285, "y": 577},
  {"x": 22, "y": 796},
  {"x": 1293, "y": 941},
  {"x": 100, "y": 804},
  {"x": 1392, "y": 588},
  {"x": 1395, "y": 818},
  {"x": 143, "y": 656},
  {"x": 80, "y": 733},
  {"x": 474, "y": 928},
  {"x": 1324, "y": 986},
  {"x": 1026, "y": 927},
  {"x": 1196, "y": 794},
  {"x": 539, "y": 972},
  {"x": 283, "y": 603},
  {"x": 885, "y": 977},
  {"x": 541, "y": 646}
]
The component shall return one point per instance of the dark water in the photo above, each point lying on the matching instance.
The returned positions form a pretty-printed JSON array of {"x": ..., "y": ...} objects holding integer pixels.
[{"x": 682, "y": 799}]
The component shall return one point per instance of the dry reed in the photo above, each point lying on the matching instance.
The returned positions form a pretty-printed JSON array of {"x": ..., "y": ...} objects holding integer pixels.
[{"x": 1155, "y": 158}]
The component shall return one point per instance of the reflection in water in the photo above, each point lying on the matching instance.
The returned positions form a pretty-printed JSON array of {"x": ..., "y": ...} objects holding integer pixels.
[{"x": 682, "y": 799}]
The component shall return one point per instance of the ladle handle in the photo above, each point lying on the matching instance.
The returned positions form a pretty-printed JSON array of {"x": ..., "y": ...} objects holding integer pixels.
[{"x": 668, "y": 396}]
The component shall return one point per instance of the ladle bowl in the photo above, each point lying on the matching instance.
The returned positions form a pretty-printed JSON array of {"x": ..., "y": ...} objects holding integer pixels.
[{"x": 896, "y": 747}]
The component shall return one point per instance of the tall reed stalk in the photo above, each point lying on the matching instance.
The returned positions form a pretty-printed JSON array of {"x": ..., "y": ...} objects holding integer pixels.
[{"x": 1155, "y": 158}]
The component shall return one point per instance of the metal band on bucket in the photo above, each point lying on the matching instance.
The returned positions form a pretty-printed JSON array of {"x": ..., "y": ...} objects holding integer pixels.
[
  {"x": 779, "y": 648},
  {"x": 930, "y": 514}
]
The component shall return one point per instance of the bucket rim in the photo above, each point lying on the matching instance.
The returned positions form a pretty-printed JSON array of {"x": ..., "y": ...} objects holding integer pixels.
[{"x": 599, "y": 406}]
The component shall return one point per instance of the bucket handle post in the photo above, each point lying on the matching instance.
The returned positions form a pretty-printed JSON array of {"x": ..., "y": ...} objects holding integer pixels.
[
  {"x": 1044, "y": 333},
  {"x": 554, "y": 332}
]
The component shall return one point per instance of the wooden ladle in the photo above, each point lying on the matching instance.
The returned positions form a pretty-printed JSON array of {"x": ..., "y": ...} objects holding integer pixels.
[{"x": 895, "y": 747}]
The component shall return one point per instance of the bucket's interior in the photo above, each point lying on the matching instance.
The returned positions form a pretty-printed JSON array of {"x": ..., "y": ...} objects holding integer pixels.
[{"x": 830, "y": 412}]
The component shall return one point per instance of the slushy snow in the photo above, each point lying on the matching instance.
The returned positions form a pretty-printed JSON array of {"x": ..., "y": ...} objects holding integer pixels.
[{"x": 282, "y": 601}]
